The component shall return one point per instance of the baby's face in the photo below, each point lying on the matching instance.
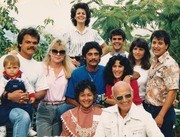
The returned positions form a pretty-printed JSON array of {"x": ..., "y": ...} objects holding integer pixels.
[{"x": 11, "y": 70}]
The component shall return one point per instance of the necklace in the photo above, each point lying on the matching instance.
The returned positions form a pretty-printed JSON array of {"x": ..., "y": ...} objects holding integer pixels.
[{"x": 92, "y": 76}]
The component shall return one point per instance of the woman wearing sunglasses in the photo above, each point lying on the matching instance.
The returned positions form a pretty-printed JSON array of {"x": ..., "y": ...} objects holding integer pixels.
[
  {"x": 117, "y": 68},
  {"x": 57, "y": 67}
]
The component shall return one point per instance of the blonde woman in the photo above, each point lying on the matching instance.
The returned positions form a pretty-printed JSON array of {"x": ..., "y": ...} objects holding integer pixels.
[{"x": 58, "y": 67}]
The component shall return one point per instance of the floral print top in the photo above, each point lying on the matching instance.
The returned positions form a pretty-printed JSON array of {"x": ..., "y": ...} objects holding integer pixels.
[{"x": 163, "y": 76}]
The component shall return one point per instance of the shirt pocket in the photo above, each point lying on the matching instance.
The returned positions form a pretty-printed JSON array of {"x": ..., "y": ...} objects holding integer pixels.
[
  {"x": 137, "y": 131},
  {"x": 110, "y": 130}
]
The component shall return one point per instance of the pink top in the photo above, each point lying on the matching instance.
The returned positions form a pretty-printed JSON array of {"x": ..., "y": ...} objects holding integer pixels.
[
  {"x": 80, "y": 122},
  {"x": 57, "y": 85}
]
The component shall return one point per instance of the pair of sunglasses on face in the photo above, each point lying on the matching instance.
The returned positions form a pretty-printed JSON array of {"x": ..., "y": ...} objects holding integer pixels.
[
  {"x": 127, "y": 96},
  {"x": 55, "y": 52}
]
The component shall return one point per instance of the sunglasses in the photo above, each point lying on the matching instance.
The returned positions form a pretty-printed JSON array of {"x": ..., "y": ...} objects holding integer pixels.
[
  {"x": 127, "y": 96},
  {"x": 55, "y": 52}
]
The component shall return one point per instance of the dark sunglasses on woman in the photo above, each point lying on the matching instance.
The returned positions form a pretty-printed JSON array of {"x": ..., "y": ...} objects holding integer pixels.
[{"x": 55, "y": 52}]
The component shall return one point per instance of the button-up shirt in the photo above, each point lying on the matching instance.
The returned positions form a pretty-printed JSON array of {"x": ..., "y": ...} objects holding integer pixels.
[
  {"x": 137, "y": 123},
  {"x": 163, "y": 76}
]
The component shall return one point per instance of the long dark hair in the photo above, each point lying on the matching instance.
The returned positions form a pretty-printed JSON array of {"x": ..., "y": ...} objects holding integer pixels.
[
  {"x": 108, "y": 74},
  {"x": 141, "y": 43}
]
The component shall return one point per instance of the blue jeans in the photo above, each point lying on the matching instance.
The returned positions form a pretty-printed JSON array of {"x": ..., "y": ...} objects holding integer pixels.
[
  {"x": 169, "y": 118},
  {"x": 48, "y": 121},
  {"x": 21, "y": 121}
]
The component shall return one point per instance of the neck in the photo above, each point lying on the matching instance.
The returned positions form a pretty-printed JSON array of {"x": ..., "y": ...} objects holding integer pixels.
[
  {"x": 117, "y": 51},
  {"x": 92, "y": 68},
  {"x": 138, "y": 62},
  {"x": 123, "y": 113},
  {"x": 55, "y": 65},
  {"x": 86, "y": 110},
  {"x": 29, "y": 57},
  {"x": 80, "y": 27}
]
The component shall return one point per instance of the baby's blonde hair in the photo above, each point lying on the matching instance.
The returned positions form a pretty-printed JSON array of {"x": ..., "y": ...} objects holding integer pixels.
[{"x": 12, "y": 59}]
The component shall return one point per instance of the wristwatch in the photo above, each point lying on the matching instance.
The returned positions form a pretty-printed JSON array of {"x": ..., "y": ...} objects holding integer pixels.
[{"x": 131, "y": 77}]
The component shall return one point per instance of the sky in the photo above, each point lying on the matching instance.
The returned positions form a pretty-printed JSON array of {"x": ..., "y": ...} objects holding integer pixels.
[{"x": 33, "y": 13}]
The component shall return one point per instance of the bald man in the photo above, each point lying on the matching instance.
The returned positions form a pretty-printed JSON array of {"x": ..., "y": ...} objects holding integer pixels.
[{"x": 125, "y": 118}]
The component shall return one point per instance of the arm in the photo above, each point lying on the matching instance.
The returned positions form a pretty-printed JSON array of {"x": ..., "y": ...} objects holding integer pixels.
[
  {"x": 104, "y": 49},
  {"x": 72, "y": 101},
  {"x": 167, "y": 104},
  {"x": 151, "y": 128},
  {"x": 40, "y": 94}
]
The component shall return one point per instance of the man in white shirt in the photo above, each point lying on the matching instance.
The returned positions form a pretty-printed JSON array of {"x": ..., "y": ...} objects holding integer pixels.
[
  {"x": 125, "y": 119},
  {"x": 117, "y": 38},
  {"x": 28, "y": 40}
]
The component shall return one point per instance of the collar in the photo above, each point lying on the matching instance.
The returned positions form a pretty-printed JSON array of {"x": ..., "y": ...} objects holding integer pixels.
[
  {"x": 162, "y": 58},
  {"x": 133, "y": 113},
  {"x": 85, "y": 30},
  {"x": 14, "y": 77}
]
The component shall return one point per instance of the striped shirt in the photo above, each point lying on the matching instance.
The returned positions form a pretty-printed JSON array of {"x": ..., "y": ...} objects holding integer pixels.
[{"x": 75, "y": 40}]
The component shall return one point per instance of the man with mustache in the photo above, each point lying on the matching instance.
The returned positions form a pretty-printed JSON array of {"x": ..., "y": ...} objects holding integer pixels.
[
  {"x": 28, "y": 40},
  {"x": 91, "y": 53}
]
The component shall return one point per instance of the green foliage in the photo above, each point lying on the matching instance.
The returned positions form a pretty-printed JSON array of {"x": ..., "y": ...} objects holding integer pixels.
[
  {"x": 7, "y": 24},
  {"x": 144, "y": 14}
]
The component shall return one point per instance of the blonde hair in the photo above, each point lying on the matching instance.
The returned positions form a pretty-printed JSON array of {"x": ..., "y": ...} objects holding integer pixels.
[
  {"x": 12, "y": 59},
  {"x": 68, "y": 67}
]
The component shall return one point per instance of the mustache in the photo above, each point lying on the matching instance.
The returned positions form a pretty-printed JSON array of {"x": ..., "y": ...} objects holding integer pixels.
[
  {"x": 94, "y": 60},
  {"x": 31, "y": 48}
]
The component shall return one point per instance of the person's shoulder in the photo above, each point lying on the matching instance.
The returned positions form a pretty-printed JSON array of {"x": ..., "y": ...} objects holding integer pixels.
[
  {"x": 67, "y": 113},
  {"x": 110, "y": 109},
  {"x": 79, "y": 69},
  {"x": 97, "y": 110}
]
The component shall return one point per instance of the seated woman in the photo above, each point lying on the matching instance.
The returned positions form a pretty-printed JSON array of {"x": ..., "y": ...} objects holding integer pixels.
[
  {"x": 82, "y": 121},
  {"x": 117, "y": 68}
]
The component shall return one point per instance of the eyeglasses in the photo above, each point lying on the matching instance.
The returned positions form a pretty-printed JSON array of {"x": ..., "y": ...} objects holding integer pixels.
[
  {"x": 127, "y": 96},
  {"x": 55, "y": 52}
]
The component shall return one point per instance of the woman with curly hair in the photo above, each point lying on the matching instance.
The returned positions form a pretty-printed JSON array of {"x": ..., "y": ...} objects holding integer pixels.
[
  {"x": 76, "y": 38},
  {"x": 117, "y": 68}
]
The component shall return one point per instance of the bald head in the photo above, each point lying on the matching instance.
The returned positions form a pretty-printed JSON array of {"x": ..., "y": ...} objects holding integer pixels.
[{"x": 121, "y": 86}]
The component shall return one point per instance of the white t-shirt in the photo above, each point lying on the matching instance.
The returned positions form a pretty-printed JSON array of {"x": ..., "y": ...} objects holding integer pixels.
[
  {"x": 142, "y": 80},
  {"x": 32, "y": 70},
  {"x": 105, "y": 58}
]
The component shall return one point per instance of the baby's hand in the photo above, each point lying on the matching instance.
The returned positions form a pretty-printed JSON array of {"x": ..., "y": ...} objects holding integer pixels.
[{"x": 32, "y": 100}]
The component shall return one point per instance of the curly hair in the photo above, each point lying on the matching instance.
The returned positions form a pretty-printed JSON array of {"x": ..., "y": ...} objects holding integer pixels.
[
  {"x": 108, "y": 74},
  {"x": 82, "y": 85},
  {"x": 81, "y": 6}
]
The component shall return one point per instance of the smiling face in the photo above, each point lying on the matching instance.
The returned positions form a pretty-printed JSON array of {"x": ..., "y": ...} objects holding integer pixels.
[
  {"x": 86, "y": 98},
  {"x": 28, "y": 46},
  {"x": 57, "y": 54},
  {"x": 123, "y": 95},
  {"x": 158, "y": 46},
  {"x": 117, "y": 70},
  {"x": 117, "y": 42},
  {"x": 80, "y": 16},
  {"x": 138, "y": 53}
]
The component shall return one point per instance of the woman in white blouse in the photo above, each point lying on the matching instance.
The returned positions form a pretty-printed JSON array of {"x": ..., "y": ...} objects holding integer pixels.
[
  {"x": 76, "y": 38},
  {"x": 139, "y": 56}
]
